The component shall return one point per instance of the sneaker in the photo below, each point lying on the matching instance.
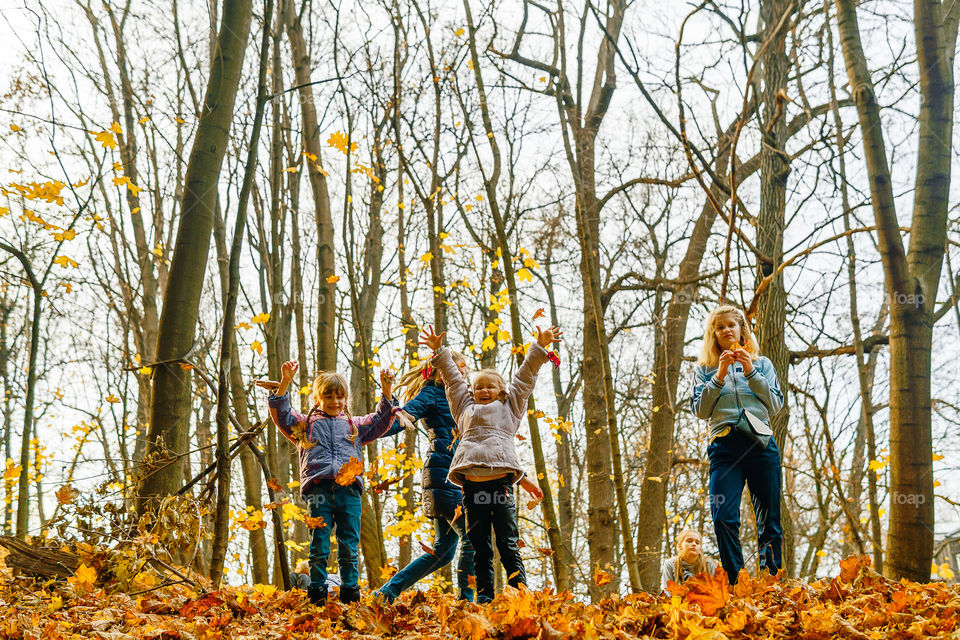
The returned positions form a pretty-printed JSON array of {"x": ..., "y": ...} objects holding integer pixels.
[
  {"x": 349, "y": 594},
  {"x": 317, "y": 595}
]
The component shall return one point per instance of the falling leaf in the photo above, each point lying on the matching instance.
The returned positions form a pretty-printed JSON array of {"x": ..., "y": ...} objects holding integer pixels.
[
  {"x": 314, "y": 523},
  {"x": 256, "y": 346},
  {"x": 387, "y": 571},
  {"x": 459, "y": 32},
  {"x": 145, "y": 371},
  {"x": 260, "y": 318},
  {"x": 15, "y": 128},
  {"x": 523, "y": 275},
  {"x": 68, "y": 234},
  {"x": 426, "y": 548},
  {"x": 66, "y": 494},
  {"x": 349, "y": 471},
  {"x": 545, "y": 551},
  {"x": 112, "y": 399},
  {"x": 65, "y": 262},
  {"x": 458, "y": 512},
  {"x": 532, "y": 504},
  {"x": 539, "y": 313},
  {"x": 601, "y": 577},
  {"x": 115, "y": 127},
  {"x": 273, "y": 484},
  {"x": 333, "y": 279},
  {"x": 185, "y": 366},
  {"x": 106, "y": 139}
]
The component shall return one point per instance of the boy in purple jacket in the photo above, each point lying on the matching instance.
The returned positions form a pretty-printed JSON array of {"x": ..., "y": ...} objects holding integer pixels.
[{"x": 327, "y": 440}]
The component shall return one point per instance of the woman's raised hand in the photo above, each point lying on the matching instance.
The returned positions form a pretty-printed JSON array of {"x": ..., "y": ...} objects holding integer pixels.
[
  {"x": 430, "y": 338},
  {"x": 727, "y": 358},
  {"x": 546, "y": 337}
]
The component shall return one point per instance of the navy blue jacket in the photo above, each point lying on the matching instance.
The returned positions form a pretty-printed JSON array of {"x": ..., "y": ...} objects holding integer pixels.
[{"x": 440, "y": 497}]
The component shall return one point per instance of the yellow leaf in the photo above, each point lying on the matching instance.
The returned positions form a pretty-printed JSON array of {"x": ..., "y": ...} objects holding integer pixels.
[
  {"x": 333, "y": 279},
  {"x": 426, "y": 258},
  {"x": 115, "y": 127},
  {"x": 112, "y": 399},
  {"x": 143, "y": 119},
  {"x": 15, "y": 128},
  {"x": 386, "y": 572},
  {"x": 65, "y": 262},
  {"x": 56, "y": 603},
  {"x": 488, "y": 343},
  {"x": 69, "y": 234},
  {"x": 523, "y": 275},
  {"x": 158, "y": 250},
  {"x": 84, "y": 578},
  {"x": 67, "y": 286},
  {"x": 265, "y": 589},
  {"x": 304, "y": 390},
  {"x": 937, "y": 456},
  {"x": 293, "y": 169},
  {"x": 256, "y": 346},
  {"x": 106, "y": 139},
  {"x": 4, "y": 211},
  {"x": 260, "y": 318},
  {"x": 144, "y": 371},
  {"x": 459, "y": 32},
  {"x": 338, "y": 141},
  {"x": 179, "y": 120}
]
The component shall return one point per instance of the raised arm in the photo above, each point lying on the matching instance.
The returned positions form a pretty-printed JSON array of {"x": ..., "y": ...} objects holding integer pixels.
[
  {"x": 284, "y": 415},
  {"x": 455, "y": 386},
  {"x": 373, "y": 425},
  {"x": 525, "y": 379}
]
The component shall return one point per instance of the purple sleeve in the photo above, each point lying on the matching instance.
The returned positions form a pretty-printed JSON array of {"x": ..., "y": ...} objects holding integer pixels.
[
  {"x": 284, "y": 415},
  {"x": 374, "y": 425}
]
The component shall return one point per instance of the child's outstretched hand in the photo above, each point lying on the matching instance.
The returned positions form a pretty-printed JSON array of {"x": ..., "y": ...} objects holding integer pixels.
[
  {"x": 548, "y": 336},
  {"x": 531, "y": 487},
  {"x": 289, "y": 369},
  {"x": 431, "y": 339},
  {"x": 386, "y": 382}
]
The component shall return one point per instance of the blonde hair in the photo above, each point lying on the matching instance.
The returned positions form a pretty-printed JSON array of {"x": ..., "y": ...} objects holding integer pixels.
[
  {"x": 303, "y": 567},
  {"x": 710, "y": 354},
  {"x": 332, "y": 382},
  {"x": 699, "y": 565},
  {"x": 414, "y": 380},
  {"x": 493, "y": 373}
]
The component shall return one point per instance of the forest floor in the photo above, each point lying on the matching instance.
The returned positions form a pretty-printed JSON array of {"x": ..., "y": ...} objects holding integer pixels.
[{"x": 856, "y": 604}]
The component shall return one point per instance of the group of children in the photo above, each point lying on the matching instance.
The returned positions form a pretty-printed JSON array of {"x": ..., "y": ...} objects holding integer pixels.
[
  {"x": 484, "y": 465},
  {"x": 473, "y": 465}
]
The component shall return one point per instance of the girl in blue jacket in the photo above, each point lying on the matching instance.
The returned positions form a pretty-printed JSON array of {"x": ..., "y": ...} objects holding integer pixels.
[
  {"x": 736, "y": 390},
  {"x": 328, "y": 439},
  {"x": 441, "y": 499}
]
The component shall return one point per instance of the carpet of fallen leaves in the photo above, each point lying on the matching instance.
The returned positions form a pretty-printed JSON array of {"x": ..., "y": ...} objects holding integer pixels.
[{"x": 856, "y": 604}]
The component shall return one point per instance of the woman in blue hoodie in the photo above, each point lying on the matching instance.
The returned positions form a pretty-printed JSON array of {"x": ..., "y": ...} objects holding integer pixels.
[
  {"x": 442, "y": 500},
  {"x": 736, "y": 390}
]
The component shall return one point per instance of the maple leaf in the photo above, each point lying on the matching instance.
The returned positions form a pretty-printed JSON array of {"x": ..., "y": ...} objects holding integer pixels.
[
  {"x": 349, "y": 471},
  {"x": 539, "y": 313},
  {"x": 274, "y": 484},
  {"x": 112, "y": 399},
  {"x": 601, "y": 577},
  {"x": 200, "y": 605},
  {"x": 545, "y": 551},
  {"x": 314, "y": 523},
  {"x": 106, "y": 139},
  {"x": 256, "y": 346},
  {"x": 708, "y": 592},
  {"x": 387, "y": 571},
  {"x": 84, "y": 578},
  {"x": 333, "y": 279},
  {"x": 66, "y": 494},
  {"x": 65, "y": 262}
]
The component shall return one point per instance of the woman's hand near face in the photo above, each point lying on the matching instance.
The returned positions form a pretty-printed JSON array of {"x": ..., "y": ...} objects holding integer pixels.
[{"x": 726, "y": 359}]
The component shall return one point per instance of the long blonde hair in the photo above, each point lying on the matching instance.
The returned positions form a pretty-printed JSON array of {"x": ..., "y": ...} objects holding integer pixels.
[
  {"x": 710, "y": 354},
  {"x": 699, "y": 565},
  {"x": 332, "y": 382},
  {"x": 414, "y": 380}
]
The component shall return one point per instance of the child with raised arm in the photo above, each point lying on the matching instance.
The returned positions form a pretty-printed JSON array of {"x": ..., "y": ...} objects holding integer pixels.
[
  {"x": 328, "y": 439},
  {"x": 486, "y": 463}
]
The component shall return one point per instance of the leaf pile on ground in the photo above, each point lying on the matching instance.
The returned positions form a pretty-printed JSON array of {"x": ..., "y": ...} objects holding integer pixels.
[{"x": 857, "y": 604}]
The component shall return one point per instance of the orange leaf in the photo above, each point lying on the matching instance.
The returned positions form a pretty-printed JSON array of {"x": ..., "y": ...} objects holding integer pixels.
[
  {"x": 539, "y": 314},
  {"x": 458, "y": 512},
  {"x": 349, "y": 472},
  {"x": 66, "y": 494},
  {"x": 200, "y": 605},
  {"x": 314, "y": 523},
  {"x": 545, "y": 551},
  {"x": 601, "y": 577},
  {"x": 426, "y": 548},
  {"x": 273, "y": 484},
  {"x": 708, "y": 592}
]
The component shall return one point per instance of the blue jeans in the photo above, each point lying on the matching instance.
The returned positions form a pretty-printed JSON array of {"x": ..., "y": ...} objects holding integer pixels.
[
  {"x": 338, "y": 506},
  {"x": 446, "y": 534},
  {"x": 736, "y": 460}
]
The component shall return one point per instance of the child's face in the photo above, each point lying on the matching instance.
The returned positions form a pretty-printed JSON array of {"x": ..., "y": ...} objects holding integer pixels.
[
  {"x": 333, "y": 403},
  {"x": 486, "y": 389},
  {"x": 689, "y": 547},
  {"x": 727, "y": 330}
]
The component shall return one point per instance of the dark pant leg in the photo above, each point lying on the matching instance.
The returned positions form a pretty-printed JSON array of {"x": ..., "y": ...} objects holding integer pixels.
[
  {"x": 726, "y": 487},
  {"x": 763, "y": 476},
  {"x": 508, "y": 535},
  {"x": 477, "y": 502},
  {"x": 347, "y": 514},
  {"x": 320, "y": 505},
  {"x": 465, "y": 566}
]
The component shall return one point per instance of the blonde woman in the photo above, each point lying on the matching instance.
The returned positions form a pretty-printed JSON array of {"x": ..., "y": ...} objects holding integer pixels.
[
  {"x": 736, "y": 390},
  {"x": 689, "y": 560}
]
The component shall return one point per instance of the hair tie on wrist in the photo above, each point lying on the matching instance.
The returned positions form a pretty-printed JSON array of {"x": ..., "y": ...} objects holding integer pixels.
[
  {"x": 554, "y": 358},
  {"x": 427, "y": 372}
]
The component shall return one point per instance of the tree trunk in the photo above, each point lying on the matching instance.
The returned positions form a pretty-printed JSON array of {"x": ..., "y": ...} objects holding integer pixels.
[
  {"x": 326, "y": 310},
  {"x": 221, "y": 523},
  {"x": 911, "y": 279},
  {"x": 771, "y": 318},
  {"x": 170, "y": 404}
]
